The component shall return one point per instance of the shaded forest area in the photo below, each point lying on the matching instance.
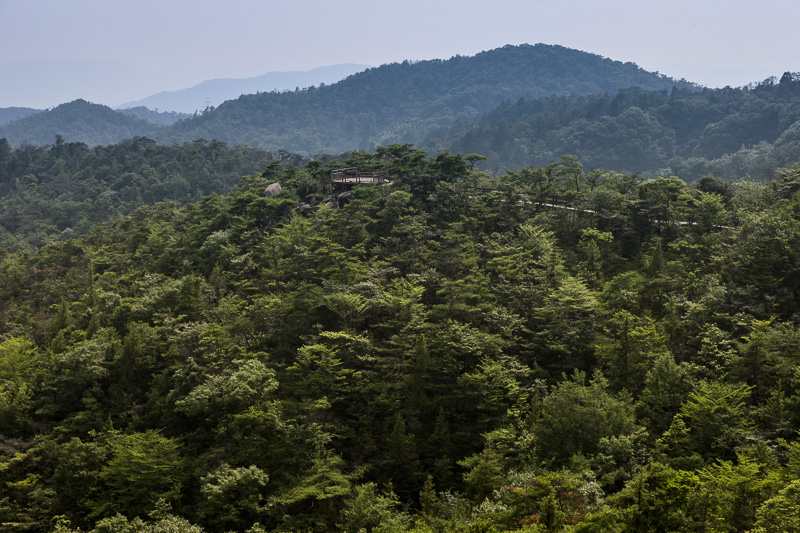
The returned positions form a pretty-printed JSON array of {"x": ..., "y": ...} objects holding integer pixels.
[
  {"x": 56, "y": 192},
  {"x": 451, "y": 353},
  {"x": 736, "y": 133}
]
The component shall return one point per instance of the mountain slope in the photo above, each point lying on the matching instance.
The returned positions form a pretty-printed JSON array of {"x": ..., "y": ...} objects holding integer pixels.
[
  {"x": 161, "y": 118},
  {"x": 78, "y": 121},
  {"x": 711, "y": 131},
  {"x": 216, "y": 91},
  {"x": 8, "y": 114},
  {"x": 404, "y": 102}
]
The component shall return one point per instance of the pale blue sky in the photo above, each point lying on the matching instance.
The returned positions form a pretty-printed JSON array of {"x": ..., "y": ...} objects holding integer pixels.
[{"x": 122, "y": 51}]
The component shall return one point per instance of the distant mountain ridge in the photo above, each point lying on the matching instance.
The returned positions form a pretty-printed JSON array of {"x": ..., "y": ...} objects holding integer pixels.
[
  {"x": 736, "y": 133},
  {"x": 214, "y": 92},
  {"x": 77, "y": 121},
  {"x": 394, "y": 103},
  {"x": 9, "y": 114},
  {"x": 161, "y": 118},
  {"x": 404, "y": 102}
]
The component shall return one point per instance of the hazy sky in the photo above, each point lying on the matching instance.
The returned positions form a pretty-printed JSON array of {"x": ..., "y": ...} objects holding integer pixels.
[{"x": 125, "y": 50}]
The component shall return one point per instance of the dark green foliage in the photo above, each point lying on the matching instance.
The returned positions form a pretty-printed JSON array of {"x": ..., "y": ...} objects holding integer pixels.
[
  {"x": 455, "y": 352},
  {"x": 735, "y": 133},
  {"x": 57, "y": 192},
  {"x": 576, "y": 416},
  {"x": 77, "y": 121}
]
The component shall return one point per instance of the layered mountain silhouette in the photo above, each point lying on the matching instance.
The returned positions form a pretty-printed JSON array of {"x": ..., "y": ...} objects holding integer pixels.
[
  {"x": 214, "y": 92},
  {"x": 398, "y": 102},
  {"x": 405, "y": 102}
]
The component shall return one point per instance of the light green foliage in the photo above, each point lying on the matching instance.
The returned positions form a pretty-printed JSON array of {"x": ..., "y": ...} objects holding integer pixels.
[
  {"x": 619, "y": 458},
  {"x": 736, "y": 491},
  {"x": 661, "y": 499},
  {"x": 78, "y": 476},
  {"x": 717, "y": 418},
  {"x": 323, "y": 487},
  {"x": 550, "y": 502},
  {"x": 372, "y": 510},
  {"x": 595, "y": 246},
  {"x": 166, "y": 524},
  {"x": 631, "y": 346},
  {"x": 781, "y": 513},
  {"x": 19, "y": 366},
  {"x": 497, "y": 390},
  {"x": 73, "y": 380},
  {"x": 243, "y": 384},
  {"x": 233, "y": 496},
  {"x": 665, "y": 388},
  {"x": 346, "y": 306},
  {"x": 485, "y": 473},
  {"x": 567, "y": 320},
  {"x": 143, "y": 468}
]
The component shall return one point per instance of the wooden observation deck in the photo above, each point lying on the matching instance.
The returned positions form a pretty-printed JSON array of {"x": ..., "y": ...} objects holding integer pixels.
[{"x": 354, "y": 176}]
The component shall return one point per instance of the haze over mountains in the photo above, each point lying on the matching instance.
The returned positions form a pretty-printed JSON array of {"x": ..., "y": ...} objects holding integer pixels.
[
  {"x": 392, "y": 103},
  {"x": 214, "y": 92},
  {"x": 519, "y": 105},
  {"x": 8, "y": 114}
]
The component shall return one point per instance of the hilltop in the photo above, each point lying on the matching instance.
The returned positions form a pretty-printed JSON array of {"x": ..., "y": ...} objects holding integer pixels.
[
  {"x": 78, "y": 120},
  {"x": 405, "y": 102}
]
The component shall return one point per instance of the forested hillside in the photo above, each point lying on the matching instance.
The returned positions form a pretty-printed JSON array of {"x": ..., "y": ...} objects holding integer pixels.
[
  {"x": 219, "y": 90},
  {"x": 405, "y": 102},
  {"x": 7, "y": 114},
  {"x": 726, "y": 132},
  {"x": 552, "y": 350},
  {"x": 78, "y": 121},
  {"x": 58, "y": 191},
  {"x": 163, "y": 118}
]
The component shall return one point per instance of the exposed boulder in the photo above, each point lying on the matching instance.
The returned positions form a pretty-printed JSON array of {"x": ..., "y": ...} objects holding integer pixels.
[
  {"x": 305, "y": 208},
  {"x": 273, "y": 189},
  {"x": 344, "y": 198}
]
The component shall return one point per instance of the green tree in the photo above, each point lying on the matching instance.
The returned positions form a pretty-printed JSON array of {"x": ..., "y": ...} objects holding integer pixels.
[
  {"x": 233, "y": 497},
  {"x": 371, "y": 510},
  {"x": 19, "y": 366},
  {"x": 717, "y": 418},
  {"x": 660, "y": 499},
  {"x": 575, "y": 416},
  {"x": 143, "y": 468},
  {"x": 631, "y": 346},
  {"x": 781, "y": 513},
  {"x": 666, "y": 387}
]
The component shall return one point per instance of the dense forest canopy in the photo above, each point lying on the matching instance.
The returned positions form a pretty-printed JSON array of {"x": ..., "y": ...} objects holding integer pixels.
[
  {"x": 58, "y": 191},
  {"x": 162, "y": 118},
  {"x": 588, "y": 323},
  {"x": 548, "y": 350}
]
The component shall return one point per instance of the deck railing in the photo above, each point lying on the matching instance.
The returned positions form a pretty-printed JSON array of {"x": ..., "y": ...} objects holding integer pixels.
[{"x": 354, "y": 175}]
